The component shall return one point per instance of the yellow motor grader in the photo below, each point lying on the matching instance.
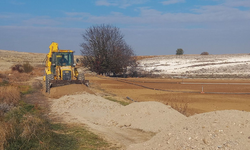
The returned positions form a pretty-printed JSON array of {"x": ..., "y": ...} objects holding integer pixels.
[{"x": 60, "y": 68}]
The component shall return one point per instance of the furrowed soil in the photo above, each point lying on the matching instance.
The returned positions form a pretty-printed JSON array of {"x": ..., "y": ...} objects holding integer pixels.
[{"x": 219, "y": 94}]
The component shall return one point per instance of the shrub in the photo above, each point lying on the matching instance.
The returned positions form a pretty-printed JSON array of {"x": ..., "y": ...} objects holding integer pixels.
[
  {"x": 179, "y": 51},
  {"x": 204, "y": 53},
  {"x": 27, "y": 67},
  {"x": 17, "y": 67}
]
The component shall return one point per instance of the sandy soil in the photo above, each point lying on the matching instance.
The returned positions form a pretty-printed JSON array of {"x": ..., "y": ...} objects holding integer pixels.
[
  {"x": 215, "y": 130},
  {"x": 68, "y": 90},
  {"x": 132, "y": 126},
  {"x": 96, "y": 112}
]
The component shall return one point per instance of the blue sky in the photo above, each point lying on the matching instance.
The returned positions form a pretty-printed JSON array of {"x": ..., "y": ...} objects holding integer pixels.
[{"x": 151, "y": 27}]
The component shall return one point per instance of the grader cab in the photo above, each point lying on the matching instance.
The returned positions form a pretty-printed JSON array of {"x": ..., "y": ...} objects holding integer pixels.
[{"x": 60, "y": 68}]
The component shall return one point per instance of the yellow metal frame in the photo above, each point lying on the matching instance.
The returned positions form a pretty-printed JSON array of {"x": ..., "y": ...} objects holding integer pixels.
[{"x": 54, "y": 48}]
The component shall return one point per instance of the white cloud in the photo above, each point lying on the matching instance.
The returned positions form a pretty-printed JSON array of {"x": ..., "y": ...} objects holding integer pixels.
[
  {"x": 168, "y": 2},
  {"x": 14, "y": 15},
  {"x": 41, "y": 20},
  {"x": 105, "y": 3},
  {"x": 119, "y": 3},
  {"x": 237, "y": 3},
  {"x": 209, "y": 16},
  {"x": 16, "y": 3}
]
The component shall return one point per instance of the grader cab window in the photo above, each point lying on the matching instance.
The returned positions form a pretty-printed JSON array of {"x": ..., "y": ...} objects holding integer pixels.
[{"x": 64, "y": 59}]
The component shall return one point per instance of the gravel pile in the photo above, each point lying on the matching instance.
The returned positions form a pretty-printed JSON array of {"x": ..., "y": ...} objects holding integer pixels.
[
  {"x": 147, "y": 116},
  {"x": 228, "y": 129}
]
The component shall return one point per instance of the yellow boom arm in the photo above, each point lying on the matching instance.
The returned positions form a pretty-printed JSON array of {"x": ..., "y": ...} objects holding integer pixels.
[{"x": 52, "y": 48}]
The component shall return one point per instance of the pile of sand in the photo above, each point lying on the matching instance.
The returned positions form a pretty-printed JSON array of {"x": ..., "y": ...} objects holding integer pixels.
[
  {"x": 214, "y": 130},
  {"x": 147, "y": 116},
  {"x": 88, "y": 107}
]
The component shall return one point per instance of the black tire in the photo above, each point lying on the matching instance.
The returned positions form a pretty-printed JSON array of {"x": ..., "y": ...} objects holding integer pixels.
[
  {"x": 47, "y": 82},
  {"x": 81, "y": 77}
]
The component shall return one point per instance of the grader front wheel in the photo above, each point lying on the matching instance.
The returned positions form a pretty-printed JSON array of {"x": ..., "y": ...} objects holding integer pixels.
[{"x": 81, "y": 77}]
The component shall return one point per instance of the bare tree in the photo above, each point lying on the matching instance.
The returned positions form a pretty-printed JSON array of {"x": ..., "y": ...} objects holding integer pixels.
[{"x": 105, "y": 50}]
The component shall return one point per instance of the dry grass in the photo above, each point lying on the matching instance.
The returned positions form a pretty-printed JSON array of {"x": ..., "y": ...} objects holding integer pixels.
[
  {"x": 23, "y": 74},
  {"x": 31, "y": 126},
  {"x": 38, "y": 71},
  {"x": 3, "y": 134},
  {"x": 117, "y": 101},
  {"x": 9, "y": 95},
  {"x": 25, "y": 126},
  {"x": 143, "y": 57},
  {"x": 15, "y": 77},
  {"x": 178, "y": 104}
]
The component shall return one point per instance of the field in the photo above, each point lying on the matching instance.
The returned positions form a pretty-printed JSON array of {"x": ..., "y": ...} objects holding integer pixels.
[
  {"x": 193, "y": 66},
  {"x": 218, "y": 94},
  {"x": 187, "y": 102},
  {"x": 225, "y": 82}
]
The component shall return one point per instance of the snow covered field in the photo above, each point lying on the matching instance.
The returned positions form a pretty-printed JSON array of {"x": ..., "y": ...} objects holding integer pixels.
[{"x": 230, "y": 65}]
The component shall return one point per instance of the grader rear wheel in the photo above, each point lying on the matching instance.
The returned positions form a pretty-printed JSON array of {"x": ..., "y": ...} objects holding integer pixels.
[{"x": 48, "y": 77}]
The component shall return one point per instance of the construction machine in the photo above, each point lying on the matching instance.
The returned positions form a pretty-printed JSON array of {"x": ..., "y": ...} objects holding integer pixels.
[{"x": 60, "y": 68}]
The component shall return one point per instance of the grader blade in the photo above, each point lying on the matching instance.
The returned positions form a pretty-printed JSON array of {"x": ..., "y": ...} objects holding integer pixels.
[{"x": 56, "y": 83}]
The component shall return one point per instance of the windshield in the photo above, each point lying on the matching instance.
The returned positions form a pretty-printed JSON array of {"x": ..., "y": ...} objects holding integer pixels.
[{"x": 64, "y": 59}]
